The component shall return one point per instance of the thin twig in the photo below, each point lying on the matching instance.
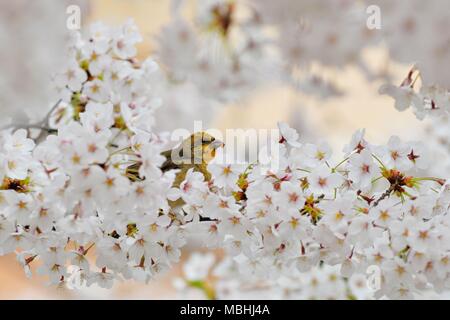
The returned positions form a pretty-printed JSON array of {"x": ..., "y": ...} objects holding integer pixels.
[
  {"x": 42, "y": 125},
  {"x": 386, "y": 194}
]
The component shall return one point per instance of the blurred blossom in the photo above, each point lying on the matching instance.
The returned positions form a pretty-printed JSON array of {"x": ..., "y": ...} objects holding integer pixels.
[
  {"x": 89, "y": 198},
  {"x": 417, "y": 32},
  {"x": 226, "y": 54},
  {"x": 32, "y": 34},
  {"x": 229, "y": 283}
]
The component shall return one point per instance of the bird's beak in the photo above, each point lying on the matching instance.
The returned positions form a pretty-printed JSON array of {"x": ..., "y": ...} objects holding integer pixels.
[{"x": 216, "y": 144}]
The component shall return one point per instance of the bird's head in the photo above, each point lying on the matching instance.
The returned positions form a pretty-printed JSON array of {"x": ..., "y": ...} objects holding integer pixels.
[{"x": 202, "y": 145}]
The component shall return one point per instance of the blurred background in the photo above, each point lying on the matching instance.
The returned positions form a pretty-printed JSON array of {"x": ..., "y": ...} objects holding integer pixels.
[{"x": 32, "y": 41}]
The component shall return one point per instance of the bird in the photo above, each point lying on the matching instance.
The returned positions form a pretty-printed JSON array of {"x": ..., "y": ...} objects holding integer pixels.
[{"x": 201, "y": 148}]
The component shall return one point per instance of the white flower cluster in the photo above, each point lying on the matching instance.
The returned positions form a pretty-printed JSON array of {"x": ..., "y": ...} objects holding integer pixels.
[
  {"x": 225, "y": 53},
  {"x": 234, "y": 46},
  {"x": 429, "y": 100},
  {"x": 90, "y": 203},
  {"x": 103, "y": 72},
  {"x": 311, "y": 33},
  {"x": 403, "y": 23},
  {"x": 75, "y": 190},
  {"x": 204, "y": 276},
  {"x": 29, "y": 55},
  {"x": 432, "y": 103},
  {"x": 406, "y": 21},
  {"x": 331, "y": 32},
  {"x": 370, "y": 209},
  {"x": 335, "y": 34}
]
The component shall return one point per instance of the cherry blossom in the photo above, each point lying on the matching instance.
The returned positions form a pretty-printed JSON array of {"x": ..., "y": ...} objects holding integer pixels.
[
  {"x": 322, "y": 215},
  {"x": 93, "y": 177}
]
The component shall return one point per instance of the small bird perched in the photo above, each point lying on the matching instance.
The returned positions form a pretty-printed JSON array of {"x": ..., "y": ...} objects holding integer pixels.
[{"x": 194, "y": 152}]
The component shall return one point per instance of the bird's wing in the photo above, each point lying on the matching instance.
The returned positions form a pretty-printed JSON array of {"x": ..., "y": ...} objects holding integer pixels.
[{"x": 168, "y": 164}]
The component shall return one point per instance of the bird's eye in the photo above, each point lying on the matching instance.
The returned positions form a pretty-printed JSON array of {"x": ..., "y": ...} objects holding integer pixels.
[{"x": 208, "y": 139}]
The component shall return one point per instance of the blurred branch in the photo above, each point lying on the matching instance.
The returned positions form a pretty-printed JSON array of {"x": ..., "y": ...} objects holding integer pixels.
[{"x": 41, "y": 125}]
